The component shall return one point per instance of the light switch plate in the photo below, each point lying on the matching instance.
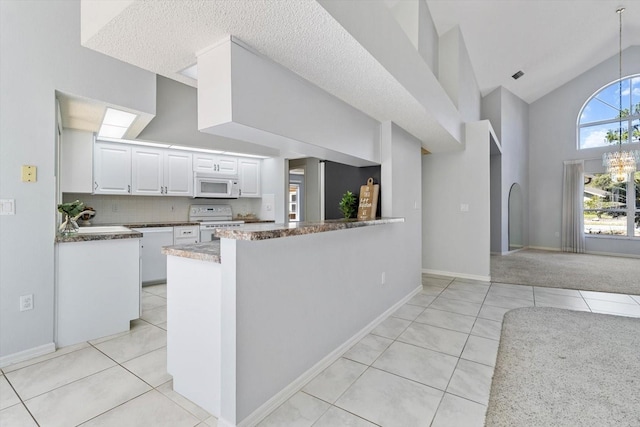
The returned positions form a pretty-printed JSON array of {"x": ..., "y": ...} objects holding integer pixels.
[
  {"x": 28, "y": 173},
  {"x": 7, "y": 206}
]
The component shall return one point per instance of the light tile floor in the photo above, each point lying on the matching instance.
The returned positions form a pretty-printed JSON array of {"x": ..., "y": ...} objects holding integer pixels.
[{"x": 429, "y": 364}]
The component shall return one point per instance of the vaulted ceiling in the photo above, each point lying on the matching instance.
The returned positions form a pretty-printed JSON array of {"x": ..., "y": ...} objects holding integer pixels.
[{"x": 551, "y": 41}]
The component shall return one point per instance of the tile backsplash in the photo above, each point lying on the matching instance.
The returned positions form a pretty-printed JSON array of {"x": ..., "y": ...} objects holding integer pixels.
[{"x": 140, "y": 209}]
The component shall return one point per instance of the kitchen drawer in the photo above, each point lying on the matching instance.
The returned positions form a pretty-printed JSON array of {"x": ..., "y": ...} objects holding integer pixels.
[{"x": 186, "y": 234}]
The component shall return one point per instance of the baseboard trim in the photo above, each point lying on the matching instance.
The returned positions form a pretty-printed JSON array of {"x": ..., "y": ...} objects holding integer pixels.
[
  {"x": 544, "y": 248},
  {"x": 282, "y": 396},
  {"x": 27, "y": 354},
  {"x": 460, "y": 275}
]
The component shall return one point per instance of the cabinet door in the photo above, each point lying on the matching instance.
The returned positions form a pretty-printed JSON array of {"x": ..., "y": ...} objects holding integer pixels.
[
  {"x": 227, "y": 165},
  {"x": 178, "y": 173},
  {"x": 112, "y": 168},
  {"x": 147, "y": 171},
  {"x": 213, "y": 164},
  {"x": 249, "y": 177},
  {"x": 203, "y": 163}
]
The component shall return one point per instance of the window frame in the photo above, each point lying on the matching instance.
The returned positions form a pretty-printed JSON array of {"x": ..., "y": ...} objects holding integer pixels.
[{"x": 628, "y": 120}]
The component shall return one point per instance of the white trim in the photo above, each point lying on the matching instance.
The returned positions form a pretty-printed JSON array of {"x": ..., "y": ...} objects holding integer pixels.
[
  {"x": 544, "y": 248},
  {"x": 30, "y": 353},
  {"x": 282, "y": 396},
  {"x": 460, "y": 275}
]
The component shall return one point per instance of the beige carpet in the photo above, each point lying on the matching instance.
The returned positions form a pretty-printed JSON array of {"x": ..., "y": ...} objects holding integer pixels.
[
  {"x": 568, "y": 270},
  {"x": 566, "y": 368}
]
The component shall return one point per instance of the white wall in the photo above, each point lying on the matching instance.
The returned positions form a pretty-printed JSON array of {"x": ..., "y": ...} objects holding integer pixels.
[
  {"x": 299, "y": 298},
  {"x": 427, "y": 37},
  {"x": 552, "y": 135},
  {"x": 41, "y": 53},
  {"x": 275, "y": 175},
  {"x": 376, "y": 29},
  {"x": 511, "y": 115},
  {"x": 176, "y": 122},
  {"x": 400, "y": 176},
  {"x": 515, "y": 159},
  {"x": 457, "y": 77},
  {"x": 271, "y": 105},
  {"x": 454, "y": 242}
]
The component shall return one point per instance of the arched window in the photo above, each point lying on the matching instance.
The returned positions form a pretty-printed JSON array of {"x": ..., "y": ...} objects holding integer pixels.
[{"x": 601, "y": 122}]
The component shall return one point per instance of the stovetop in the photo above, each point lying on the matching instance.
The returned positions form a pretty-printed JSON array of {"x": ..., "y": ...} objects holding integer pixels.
[{"x": 210, "y": 213}]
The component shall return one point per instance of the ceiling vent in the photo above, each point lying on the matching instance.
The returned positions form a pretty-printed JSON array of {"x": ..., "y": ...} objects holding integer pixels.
[{"x": 517, "y": 75}]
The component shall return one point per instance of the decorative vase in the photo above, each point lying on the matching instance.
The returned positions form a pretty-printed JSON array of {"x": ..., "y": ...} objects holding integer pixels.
[{"x": 69, "y": 226}]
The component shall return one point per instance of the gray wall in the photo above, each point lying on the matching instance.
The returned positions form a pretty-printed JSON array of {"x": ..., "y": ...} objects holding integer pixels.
[
  {"x": 552, "y": 134},
  {"x": 41, "y": 53},
  {"x": 176, "y": 122},
  {"x": 509, "y": 116}
]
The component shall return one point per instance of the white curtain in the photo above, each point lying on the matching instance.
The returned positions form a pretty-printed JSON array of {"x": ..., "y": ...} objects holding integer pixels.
[{"x": 572, "y": 206}]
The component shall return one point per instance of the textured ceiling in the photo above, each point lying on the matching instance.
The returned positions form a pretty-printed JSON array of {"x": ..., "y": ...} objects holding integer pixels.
[
  {"x": 552, "y": 41},
  {"x": 164, "y": 37}
]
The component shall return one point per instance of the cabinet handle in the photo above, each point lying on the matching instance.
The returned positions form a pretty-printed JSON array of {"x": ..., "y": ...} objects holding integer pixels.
[
  {"x": 96, "y": 185},
  {"x": 161, "y": 190},
  {"x": 166, "y": 191},
  {"x": 129, "y": 188}
]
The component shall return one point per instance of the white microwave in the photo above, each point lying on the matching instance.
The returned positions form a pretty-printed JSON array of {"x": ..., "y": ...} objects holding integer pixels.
[{"x": 216, "y": 186}]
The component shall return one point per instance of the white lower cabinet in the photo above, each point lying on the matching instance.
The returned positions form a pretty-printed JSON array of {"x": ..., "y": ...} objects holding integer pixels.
[
  {"x": 153, "y": 263},
  {"x": 97, "y": 289},
  {"x": 186, "y": 234}
]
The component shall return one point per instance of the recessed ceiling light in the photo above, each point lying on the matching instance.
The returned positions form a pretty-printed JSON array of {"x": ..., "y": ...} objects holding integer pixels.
[
  {"x": 116, "y": 123},
  {"x": 517, "y": 75}
]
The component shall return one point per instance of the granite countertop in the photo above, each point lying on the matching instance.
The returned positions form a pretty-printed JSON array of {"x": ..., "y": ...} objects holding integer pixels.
[
  {"x": 274, "y": 231},
  {"x": 208, "y": 251},
  {"x": 254, "y": 220},
  {"x": 161, "y": 224},
  {"x": 88, "y": 237}
]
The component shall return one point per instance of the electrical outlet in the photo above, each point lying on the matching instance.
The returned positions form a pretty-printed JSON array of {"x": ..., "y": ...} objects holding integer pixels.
[
  {"x": 26, "y": 302},
  {"x": 383, "y": 278}
]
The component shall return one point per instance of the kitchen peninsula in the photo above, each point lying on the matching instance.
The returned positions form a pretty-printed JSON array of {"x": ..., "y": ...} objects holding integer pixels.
[{"x": 257, "y": 314}]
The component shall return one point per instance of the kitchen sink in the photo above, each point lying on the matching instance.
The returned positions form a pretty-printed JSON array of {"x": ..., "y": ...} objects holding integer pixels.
[{"x": 103, "y": 229}]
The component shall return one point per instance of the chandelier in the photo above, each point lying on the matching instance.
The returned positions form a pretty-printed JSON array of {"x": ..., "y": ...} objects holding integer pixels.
[{"x": 620, "y": 164}]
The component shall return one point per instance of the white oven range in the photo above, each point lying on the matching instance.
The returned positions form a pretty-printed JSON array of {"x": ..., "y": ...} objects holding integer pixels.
[{"x": 210, "y": 218}]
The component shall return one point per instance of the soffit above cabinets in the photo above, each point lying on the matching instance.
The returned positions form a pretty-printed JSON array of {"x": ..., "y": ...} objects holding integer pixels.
[{"x": 86, "y": 114}]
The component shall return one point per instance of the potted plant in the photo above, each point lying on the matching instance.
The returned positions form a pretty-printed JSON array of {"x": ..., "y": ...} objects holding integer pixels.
[
  {"x": 348, "y": 204},
  {"x": 71, "y": 211}
]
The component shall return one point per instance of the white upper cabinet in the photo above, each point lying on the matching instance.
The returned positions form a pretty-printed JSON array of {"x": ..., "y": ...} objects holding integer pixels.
[
  {"x": 76, "y": 161},
  {"x": 178, "y": 173},
  {"x": 249, "y": 177},
  {"x": 147, "y": 171},
  {"x": 214, "y": 164},
  {"x": 111, "y": 168},
  {"x": 159, "y": 172}
]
